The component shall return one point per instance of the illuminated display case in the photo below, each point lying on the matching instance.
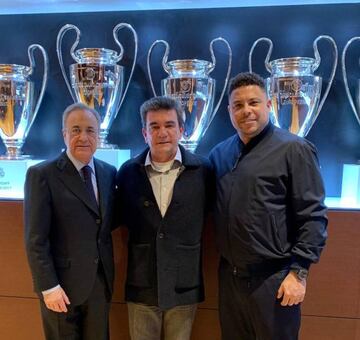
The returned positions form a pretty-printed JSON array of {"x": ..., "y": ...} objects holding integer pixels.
[{"x": 335, "y": 133}]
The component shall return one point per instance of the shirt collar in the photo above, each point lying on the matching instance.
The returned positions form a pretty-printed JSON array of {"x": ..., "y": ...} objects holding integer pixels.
[
  {"x": 256, "y": 139},
  {"x": 79, "y": 165},
  {"x": 177, "y": 158}
]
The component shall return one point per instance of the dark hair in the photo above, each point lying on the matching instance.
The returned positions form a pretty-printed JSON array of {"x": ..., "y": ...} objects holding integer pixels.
[
  {"x": 245, "y": 79},
  {"x": 161, "y": 103},
  {"x": 79, "y": 106}
]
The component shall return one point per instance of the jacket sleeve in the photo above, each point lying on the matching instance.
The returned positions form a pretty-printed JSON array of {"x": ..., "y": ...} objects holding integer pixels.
[
  {"x": 37, "y": 218},
  {"x": 307, "y": 206}
]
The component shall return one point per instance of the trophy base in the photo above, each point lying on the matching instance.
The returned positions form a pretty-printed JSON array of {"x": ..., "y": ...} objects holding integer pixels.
[
  {"x": 106, "y": 146},
  {"x": 189, "y": 146},
  {"x": 115, "y": 157},
  {"x": 12, "y": 177},
  {"x": 350, "y": 188},
  {"x": 14, "y": 158}
]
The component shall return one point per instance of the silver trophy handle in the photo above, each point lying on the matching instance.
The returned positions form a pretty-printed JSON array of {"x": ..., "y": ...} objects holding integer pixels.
[
  {"x": 164, "y": 61},
  {"x": 116, "y": 29},
  {"x": 226, "y": 79},
  {"x": 60, "y": 36},
  {"x": 345, "y": 76},
  {"x": 333, "y": 70},
  {"x": 267, "y": 62},
  {"x": 45, "y": 75}
]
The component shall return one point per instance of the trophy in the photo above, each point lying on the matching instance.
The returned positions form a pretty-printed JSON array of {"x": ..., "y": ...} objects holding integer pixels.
[
  {"x": 357, "y": 113},
  {"x": 189, "y": 82},
  {"x": 96, "y": 78},
  {"x": 350, "y": 189},
  {"x": 18, "y": 107},
  {"x": 293, "y": 88}
]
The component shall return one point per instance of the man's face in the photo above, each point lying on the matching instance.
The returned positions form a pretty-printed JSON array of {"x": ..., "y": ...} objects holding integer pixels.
[
  {"x": 249, "y": 111},
  {"x": 81, "y": 134},
  {"x": 162, "y": 133}
]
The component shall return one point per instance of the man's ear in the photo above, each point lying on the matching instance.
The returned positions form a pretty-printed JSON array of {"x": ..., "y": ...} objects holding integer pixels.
[
  {"x": 144, "y": 133},
  {"x": 268, "y": 104}
]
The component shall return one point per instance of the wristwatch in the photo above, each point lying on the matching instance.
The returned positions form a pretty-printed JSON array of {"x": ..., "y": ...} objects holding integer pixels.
[{"x": 301, "y": 273}]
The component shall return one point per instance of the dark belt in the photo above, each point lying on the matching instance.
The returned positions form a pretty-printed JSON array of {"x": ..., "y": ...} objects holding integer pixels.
[{"x": 257, "y": 269}]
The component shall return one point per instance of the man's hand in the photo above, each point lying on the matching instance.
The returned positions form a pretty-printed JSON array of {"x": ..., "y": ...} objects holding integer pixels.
[
  {"x": 292, "y": 290},
  {"x": 57, "y": 300}
]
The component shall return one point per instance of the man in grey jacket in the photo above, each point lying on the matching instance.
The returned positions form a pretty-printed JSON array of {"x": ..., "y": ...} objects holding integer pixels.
[{"x": 270, "y": 219}]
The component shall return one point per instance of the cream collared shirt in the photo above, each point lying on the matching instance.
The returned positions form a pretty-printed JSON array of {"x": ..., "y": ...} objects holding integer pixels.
[{"x": 162, "y": 177}]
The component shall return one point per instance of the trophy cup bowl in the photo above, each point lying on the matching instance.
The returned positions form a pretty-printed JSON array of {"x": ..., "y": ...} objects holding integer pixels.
[
  {"x": 96, "y": 79},
  {"x": 293, "y": 88},
  {"x": 196, "y": 95},
  {"x": 294, "y": 92},
  {"x": 344, "y": 73},
  {"x": 188, "y": 82},
  {"x": 17, "y": 105}
]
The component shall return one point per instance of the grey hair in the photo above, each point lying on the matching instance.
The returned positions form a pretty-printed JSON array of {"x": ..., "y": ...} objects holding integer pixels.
[
  {"x": 161, "y": 103},
  {"x": 79, "y": 106}
]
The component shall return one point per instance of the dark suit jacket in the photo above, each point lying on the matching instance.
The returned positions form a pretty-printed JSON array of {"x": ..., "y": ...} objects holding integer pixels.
[
  {"x": 66, "y": 234},
  {"x": 164, "y": 260}
]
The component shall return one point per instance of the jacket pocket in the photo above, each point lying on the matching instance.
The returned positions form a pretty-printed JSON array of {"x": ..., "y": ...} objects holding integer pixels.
[
  {"x": 189, "y": 267},
  {"x": 62, "y": 262},
  {"x": 139, "y": 265},
  {"x": 275, "y": 232}
]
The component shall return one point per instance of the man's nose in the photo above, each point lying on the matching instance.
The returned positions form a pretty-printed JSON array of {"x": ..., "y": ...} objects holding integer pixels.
[
  {"x": 246, "y": 109},
  {"x": 162, "y": 131},
  {"x": 83, "y": 135}
]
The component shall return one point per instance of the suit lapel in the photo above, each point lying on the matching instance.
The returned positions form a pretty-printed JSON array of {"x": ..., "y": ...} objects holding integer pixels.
[
  {"x": 72, "y": 180},
  {"x": 144, "y": 184}
]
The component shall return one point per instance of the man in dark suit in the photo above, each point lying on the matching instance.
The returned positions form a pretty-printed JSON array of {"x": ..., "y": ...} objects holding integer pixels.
[
  {"x": 163, "y": 194},
  {"x": 68, "y": 221}
]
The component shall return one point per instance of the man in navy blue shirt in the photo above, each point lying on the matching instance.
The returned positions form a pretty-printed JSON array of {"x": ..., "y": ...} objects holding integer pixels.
[{"x": 270, "y": 218}]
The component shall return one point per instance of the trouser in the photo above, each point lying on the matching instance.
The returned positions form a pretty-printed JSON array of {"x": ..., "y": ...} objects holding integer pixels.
[
  {"x": 148, "y": 322},
  {"x": 249, "y": 309},
  {"x": 88, "y": 321}
]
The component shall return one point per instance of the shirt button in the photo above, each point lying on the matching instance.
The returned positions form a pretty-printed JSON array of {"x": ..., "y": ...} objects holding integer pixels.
[
  {"x": 98, "y": 221},
  {"x": 161, "y": 235},
  {"x": 96, "y": 261},
  {"x": 146, "y": 203}
]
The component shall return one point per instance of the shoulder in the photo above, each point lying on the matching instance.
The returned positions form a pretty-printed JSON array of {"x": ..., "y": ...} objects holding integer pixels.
[
  {"x": 128, "y": 168},
  {"x": 224, "y": 153},
  {"x": 190, "y": 159},
  {"x": 225, "y": 146},
  {"x": 133, "y": 162},
  {"x": 295, "y": 146},
  {"x": 44, "y": 166},
  {"x": 105, "y": 166}
]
